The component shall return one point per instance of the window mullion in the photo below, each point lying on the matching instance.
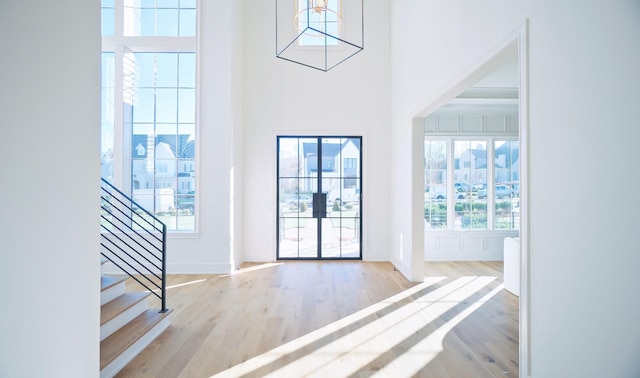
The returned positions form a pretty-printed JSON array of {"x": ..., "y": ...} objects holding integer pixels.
[
  {"x": 121, "y": 147},
  {"x": 451, "y": 208},
  {"x": 119, "y": 19},
  {"x": 491, "y": 184}
]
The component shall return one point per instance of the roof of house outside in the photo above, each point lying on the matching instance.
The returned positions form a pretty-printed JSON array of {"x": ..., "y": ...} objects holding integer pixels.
[{"x": 182, "y": 146}]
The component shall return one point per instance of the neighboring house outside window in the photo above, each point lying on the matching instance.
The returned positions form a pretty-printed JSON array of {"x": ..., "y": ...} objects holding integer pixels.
[{"x": 337, "y": 172}]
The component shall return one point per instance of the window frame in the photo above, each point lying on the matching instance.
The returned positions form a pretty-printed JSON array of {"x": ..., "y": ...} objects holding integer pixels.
[
  {"x": 119, "y": 45},
  {"x": 451, "y": 179}
]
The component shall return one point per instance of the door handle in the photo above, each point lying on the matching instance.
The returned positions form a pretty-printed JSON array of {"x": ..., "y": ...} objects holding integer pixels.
[{"x": 319, "y": 205}]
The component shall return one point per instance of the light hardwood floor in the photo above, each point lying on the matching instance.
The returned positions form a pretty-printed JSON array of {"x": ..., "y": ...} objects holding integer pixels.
[{"x": 337, "y": 319}]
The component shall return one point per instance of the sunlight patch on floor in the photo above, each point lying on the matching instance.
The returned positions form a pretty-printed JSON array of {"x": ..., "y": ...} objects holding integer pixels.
[
  {"x": 405, "y": 316},
  {"x": 413, "y": 360},
  {"x": 176, "y": 286},
  {"x": 186, "y": 284},
  {"x": 251, "y": 269},
  {"x": 292, "y": 346}
]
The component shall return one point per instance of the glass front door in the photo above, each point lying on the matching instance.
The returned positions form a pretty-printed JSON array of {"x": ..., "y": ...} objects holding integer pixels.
[{"x": 319, "y": 197}]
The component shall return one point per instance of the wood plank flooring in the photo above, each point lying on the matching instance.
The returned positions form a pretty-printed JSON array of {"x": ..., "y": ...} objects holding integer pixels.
[{"x": 337, "y": 319}]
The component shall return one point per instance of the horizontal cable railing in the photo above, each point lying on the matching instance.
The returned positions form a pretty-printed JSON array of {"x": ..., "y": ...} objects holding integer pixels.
[{"x": 134, "y": 240}]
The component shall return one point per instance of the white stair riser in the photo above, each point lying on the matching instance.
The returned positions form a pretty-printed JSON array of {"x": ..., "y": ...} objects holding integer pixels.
[
  {"x": 114, "y": 367},
  {"x": 123, "y": 318},
  {"x": 111, "y": 293}
]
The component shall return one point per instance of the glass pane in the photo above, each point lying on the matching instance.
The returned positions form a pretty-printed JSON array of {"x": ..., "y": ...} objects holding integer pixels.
[
  {"x": 165, "y": 172},
  {"x": 187, "y": 22},
  {"x": 289, "y": 163},
  {"x": 141, "y": 147},
  {"x": 470, "y": 172},
  {"x": 166, "y": 105},
  {"x": 165, "y": 148},
  {"x": 308, "y": 243},
  {"x": 107, "y": 146},
  {"x": 143, "y": 129},
  {"x": 167, "y": 3},
  {"x": 185, "y": 204},
  {"x": 107, "y": 141},
  {"x": 144, "y": 199},
  {"x": 186, "y": 105},
  {"x": 186, "y": 142},
  {"x": 186, "y": 176},
  {"x": 143, "y": 104},
  {"x": 108, "y": 22},
  {"x": 145, "y": 23},
  {"x": 289, "y": 226},
  {"x": 435, "y": 204},
  {"x": 107, "y": 105},
  {"x": 187, "y": 70},
  {"x": 507, "y": 187},
  {"x": 169, "y": 129},
  {"x": 167, "y": 22},
  {"x": 166, "y": 70},
  {"x": 144, "y": 70},
  {"x": 108, "y": 69},
  {"x": 187, "y": 4}
]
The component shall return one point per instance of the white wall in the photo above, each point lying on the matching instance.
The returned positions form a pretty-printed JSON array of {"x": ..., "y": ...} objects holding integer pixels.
[
  {"x": 237, "y": 205},
  {"x": 49, "y": 186},
  {"x": 481, "y": 119},
  {"x": 465, "y": 246},
  {"x": 582, "y": 82},
  {"x": 216, "y": 247},
  {"x": 584, "y": 78},
  {"x": 281, "y": 98}
]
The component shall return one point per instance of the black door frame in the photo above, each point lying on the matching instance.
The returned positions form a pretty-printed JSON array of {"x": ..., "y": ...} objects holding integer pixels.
[{"x": 319, "y": 198}]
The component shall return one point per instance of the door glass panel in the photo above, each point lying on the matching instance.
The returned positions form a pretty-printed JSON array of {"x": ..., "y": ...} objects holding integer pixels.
[{"x": 289, "y": 226}]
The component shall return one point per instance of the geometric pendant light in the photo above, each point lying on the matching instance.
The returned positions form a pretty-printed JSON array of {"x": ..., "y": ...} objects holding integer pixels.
[{"x": 319, "y": 33}]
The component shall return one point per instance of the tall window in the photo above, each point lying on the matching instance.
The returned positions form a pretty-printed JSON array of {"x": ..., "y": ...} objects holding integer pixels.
[
  {"x": 149, "y": 105},
  {"x": 459, "y": 191}
]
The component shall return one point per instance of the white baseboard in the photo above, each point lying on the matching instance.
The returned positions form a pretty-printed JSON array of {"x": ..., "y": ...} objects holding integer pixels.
[
  {"x": 402, "y": 268},
  {"x": 182, "y": 268},
  {"x": 195, "y": 268}
]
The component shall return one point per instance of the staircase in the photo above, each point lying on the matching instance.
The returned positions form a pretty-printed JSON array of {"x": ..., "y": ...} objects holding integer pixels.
[
  {"x": 133, "y": 243},
  {"x": 127, "y": 325}
]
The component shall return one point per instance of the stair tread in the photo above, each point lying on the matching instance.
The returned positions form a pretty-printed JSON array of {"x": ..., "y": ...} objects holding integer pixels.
[
  {"x": 119, "y": 341},
  {"x": 113, "y": 308},
  {"x": 110, "y": 281}
]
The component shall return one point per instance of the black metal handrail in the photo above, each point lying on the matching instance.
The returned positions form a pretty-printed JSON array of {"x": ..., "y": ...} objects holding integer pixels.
[{"x": 134, "y": 240}]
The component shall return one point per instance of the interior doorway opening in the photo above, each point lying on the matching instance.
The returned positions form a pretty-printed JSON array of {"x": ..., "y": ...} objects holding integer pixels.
[{"x": 514, "y": 45}]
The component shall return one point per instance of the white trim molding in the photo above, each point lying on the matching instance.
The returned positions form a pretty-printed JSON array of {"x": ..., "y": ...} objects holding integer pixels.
[{"x": 514, "y": 44}]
